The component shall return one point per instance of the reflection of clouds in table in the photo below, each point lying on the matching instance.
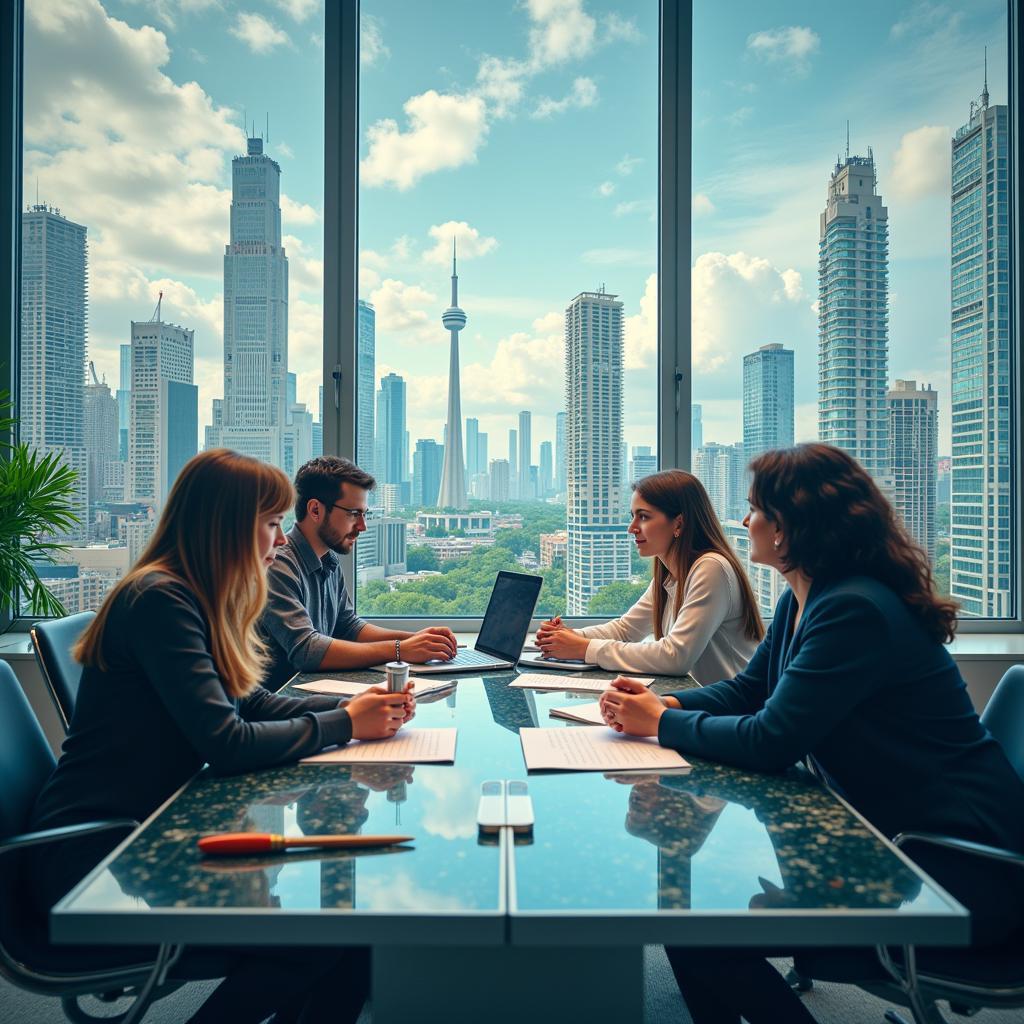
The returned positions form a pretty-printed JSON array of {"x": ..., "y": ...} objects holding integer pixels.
[
  {"x": 450, "y": 809},
  {"x": 398, "y": 891}
]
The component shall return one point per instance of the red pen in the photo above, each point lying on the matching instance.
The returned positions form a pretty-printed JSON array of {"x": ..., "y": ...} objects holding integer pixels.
[{"x": 235, "y": 844}]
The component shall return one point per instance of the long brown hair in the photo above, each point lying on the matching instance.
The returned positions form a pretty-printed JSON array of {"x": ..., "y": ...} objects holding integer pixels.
[
  {"x": 207, "y": 539},
  {"x": 837, "y": 523},
  {"x": 674, "y": 492}
]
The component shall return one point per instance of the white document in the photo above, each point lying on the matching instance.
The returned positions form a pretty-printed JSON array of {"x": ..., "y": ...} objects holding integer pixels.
[
  {"x": 588, "y": 713},
  {"x": 350, "y": 688},
  {"x": 410, "y": 746},
  {"x": 543, "y": 681},
  {"x": 595, "y": 750}
]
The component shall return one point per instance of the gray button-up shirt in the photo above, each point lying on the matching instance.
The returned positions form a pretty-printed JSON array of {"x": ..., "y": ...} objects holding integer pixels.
[{"x": 307, "y": 606}]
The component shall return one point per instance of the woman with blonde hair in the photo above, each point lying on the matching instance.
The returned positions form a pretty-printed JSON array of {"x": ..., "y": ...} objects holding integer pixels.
[
  {"x": 699, "y": 606},
  {"x": 172, "y": 665}
]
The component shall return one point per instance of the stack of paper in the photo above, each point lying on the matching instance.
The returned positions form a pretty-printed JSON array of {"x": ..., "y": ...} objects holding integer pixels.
[
  {"x": 583, "y": 684},
  {"x": 350, "y": 688},
  {"x": 588, "y": 713},
  {"x": 595, "y": 750},
  {"x": 410, "y": 746}
]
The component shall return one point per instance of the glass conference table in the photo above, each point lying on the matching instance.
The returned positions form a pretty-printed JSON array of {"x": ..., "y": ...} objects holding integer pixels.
[{"x": 463, "y": 925}]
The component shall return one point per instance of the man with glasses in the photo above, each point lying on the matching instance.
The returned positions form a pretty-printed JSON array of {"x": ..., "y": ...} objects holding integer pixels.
[{"x": 309, "y": 623}]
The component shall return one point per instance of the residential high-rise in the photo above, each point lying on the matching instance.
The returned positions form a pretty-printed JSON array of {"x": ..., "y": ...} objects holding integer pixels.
[
  {"x": 720, "y": 468},
  {"x": 500, "y": 475},
  {"x": 427, "y": 462},
  {"x": 853, "y": 316},
  {"x": 767, "y": 400},
  {"x": 453, "y": 474},
  {"x": 546, "y": 469},
  {"x": 513, "y": 463},
  {"x": 100, "y": 433},
  {"x": 696, "y": 426},
  {"x": 560, "y": 452},
  {"x": 54, "y": 297},
  {"x": 981, "y": 514},
  {"x": 366, "y": 369},
  {"x": 913, "y": 458},
  {"x": 598, "y": 547},
  {"x": 525, "y": 457},
  {"x": 255, "y": 405},
  {"x": 297, "y": 434},
  {"x": 164, "y": 408},
  {"x": 124, "y": 402},
  {"x": 390, "y": 426}
]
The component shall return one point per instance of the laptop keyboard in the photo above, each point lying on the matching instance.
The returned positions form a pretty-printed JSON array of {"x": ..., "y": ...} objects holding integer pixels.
[{"x": 468, "y": 657}]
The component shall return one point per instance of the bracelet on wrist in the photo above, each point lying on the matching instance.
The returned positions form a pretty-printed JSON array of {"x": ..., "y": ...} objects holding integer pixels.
[{"x": 398, "y": 650}]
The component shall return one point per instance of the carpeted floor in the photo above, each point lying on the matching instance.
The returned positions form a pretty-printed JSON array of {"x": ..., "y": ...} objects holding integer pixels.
[{"x": 831, "y": 1004}]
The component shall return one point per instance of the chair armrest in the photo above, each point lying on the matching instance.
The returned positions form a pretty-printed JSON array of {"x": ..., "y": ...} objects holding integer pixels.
[
  {"x": 961, "y": 845},
  {"x": 56, "y": 835}
]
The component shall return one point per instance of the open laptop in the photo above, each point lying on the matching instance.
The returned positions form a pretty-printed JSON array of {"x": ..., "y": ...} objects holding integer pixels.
[{"x": 503, "y": 631}]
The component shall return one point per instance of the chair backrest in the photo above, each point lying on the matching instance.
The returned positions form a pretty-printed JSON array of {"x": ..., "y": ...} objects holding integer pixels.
[
  {"x": 53, "y": 641},
  {"x": 1004, "y": 716},
  {"x": 26, "y": 759}
]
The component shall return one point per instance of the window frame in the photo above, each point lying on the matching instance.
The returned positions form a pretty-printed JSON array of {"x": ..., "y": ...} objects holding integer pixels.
[{"x": 341, "y": 236}]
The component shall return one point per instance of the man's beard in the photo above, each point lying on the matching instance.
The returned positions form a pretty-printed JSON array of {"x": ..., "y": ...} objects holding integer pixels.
[{"x": 339, "y": 543}]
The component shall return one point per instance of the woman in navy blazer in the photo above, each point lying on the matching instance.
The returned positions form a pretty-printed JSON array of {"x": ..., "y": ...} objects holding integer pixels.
[{"x": 852, "y": 676}]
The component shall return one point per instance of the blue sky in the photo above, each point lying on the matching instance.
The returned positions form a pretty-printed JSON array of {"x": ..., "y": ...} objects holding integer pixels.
[{"x": 529, "y": 130}]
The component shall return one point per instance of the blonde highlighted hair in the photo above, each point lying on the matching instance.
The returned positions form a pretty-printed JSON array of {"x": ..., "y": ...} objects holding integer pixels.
[
  {"x": 674, "y": 492},
  {"x": 207, "y": 539}
]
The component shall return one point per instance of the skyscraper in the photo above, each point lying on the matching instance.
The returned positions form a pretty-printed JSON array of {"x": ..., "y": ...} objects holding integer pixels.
[
  {"x": 472, "y": 447},
  {"x": 560, "y": 452},
  {"x": 546, "y": 469},
  {"x": 54, "y": 295},
  {"x": 366, "y": 370},
  {"x": 255, "y": 404},
  {"x": 427, "y": 462},
  {"x": 598, "y": 550},
  {"x": 853, "y": 316},
  {"x": 453, "y": 475},
  {"x": 644, "y": 463},
  {"x": 767, "y": 400},
  {"x": 500, "y": 473},
  {"x": 981, "y": 523},
  {"x": 720, "y": 468},
  {"x": 696, "y": 426},
  {"x": 102, "y": 441},
  {"x": 164, "y": 408},
  {"x": 390, "y": 439},
  {"x": 913, "y": 458},
  {"x": 525, "y": 457},
  {"x": 124, "y": 402}
]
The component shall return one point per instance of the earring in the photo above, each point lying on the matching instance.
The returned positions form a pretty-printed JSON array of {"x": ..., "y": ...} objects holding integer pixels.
[{"x": 777, "y": 543}]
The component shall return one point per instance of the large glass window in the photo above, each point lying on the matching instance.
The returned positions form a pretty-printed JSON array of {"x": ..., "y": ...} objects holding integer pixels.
[
  {"x": 507, "y": 317},
  {"x": 171, "y": 253},
  {"x": 846, "y": 169}
]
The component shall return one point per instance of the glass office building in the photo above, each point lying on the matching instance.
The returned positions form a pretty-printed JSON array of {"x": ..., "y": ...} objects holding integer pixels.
[{"x": 767, "y": 400}]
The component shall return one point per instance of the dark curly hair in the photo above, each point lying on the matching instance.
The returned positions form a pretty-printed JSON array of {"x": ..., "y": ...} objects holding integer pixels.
[{"x": 837, "y": 523}]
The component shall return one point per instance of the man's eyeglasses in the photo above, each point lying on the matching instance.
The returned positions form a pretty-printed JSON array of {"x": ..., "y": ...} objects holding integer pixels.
[{"x": 353, "y": 513}]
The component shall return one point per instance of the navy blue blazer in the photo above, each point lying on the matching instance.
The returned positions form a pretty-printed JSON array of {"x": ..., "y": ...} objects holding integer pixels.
[{"x": 879, "y": 705}]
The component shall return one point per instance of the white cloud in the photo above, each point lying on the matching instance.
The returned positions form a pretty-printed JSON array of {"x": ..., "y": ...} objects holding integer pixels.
[
  {"x": 471, "y": 243},
  {"x": 740, "y": 116},
  {"x": 449, "y": 807},
  {"x": 444, "y": 133},
  {"x": 626, "y": 209},
  {"x": 628, "y": 164},
  {"x": 920, "y": 166},
  {"x": 293, "y": 212},
  {"x": 622, "y": 257},
  {"x": 615, "y": 28},
  {"x": 701, "y": 205},
  {"x": 640, "y": 332},
  {"x": 372, "y": 47},
  {"x": 740, "y": 302},
  {"x": 561, "y": 31},
  {"x": 502, "y": 83},
  {"x": 605, "y": 189},
  {"x": 926, "y": 18},
  {"x": 258, "y": 33},
  {"x": 300, "y": 10},
  {"x": 793, "y": 46},
  {"x": 400, "y": 306},
  {"x": 583, "y": 94}
]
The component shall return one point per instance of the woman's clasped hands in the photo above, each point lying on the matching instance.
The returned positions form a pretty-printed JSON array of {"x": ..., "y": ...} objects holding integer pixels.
[
  {"x": 559, "y": 641},
  {"x": 629, "y": 706}
]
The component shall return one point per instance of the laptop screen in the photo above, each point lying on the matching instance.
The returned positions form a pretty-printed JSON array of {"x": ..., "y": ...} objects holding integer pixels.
[{"x": 507, "y": 620}]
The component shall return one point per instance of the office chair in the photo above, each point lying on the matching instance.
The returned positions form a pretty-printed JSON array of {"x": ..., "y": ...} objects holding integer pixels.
[
  {"x": 52, "y": 640},
  {"x": 966, "y": 979},
  {"x": 26, "y": 959}
]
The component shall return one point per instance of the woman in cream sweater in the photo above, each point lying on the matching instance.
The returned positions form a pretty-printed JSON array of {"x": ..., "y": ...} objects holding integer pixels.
[{"x": 699, "y": 607}]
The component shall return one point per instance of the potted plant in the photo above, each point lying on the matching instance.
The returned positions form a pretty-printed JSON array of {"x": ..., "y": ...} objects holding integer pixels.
[{"x": 36, "y": 490}]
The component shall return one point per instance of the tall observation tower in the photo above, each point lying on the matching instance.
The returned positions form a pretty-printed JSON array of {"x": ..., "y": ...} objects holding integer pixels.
[{"x": 453, "y": 473}]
